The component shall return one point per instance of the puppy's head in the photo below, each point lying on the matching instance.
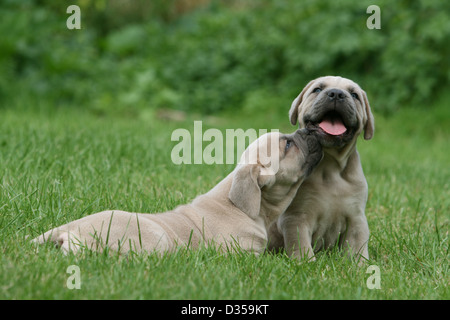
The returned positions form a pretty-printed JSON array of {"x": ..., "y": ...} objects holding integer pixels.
[
  {"x": 335, "y": 107},
  {"x": 273, "y": 167}
]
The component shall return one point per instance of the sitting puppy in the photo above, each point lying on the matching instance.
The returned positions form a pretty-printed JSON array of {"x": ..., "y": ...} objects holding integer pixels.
[
  {"x": 236, "y": 212},
  {"x": 329, "y": 207}
]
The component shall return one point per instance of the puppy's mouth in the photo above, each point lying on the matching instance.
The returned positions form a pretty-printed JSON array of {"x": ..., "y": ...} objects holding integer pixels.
[{"x": 331, "y": 126}]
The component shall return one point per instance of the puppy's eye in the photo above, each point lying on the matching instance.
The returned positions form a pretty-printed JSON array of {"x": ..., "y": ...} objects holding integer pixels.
[
  {"x": 354, "y": 95},
  {"x": 317, "y": 90},
  {"x": 288, "y": 145}
]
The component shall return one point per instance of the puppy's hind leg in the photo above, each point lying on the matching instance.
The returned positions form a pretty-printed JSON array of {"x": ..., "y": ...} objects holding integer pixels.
[{"x": 64, "y": 240}]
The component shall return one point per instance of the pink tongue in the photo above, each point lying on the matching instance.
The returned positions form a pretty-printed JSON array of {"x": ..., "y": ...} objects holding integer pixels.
[{"x": 333, "y": 126}]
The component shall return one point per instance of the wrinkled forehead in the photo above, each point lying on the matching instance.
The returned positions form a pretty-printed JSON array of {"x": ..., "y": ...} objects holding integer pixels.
[
  {"x": 336, "y": 82},
  {"x": 262, "y": 147}
]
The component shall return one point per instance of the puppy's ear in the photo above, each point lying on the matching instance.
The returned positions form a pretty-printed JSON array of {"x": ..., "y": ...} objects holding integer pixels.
[
  {"x": 369, "y": 126},
  {"x": 245, "y": 192},
  {"x": 293, "y": 112}
]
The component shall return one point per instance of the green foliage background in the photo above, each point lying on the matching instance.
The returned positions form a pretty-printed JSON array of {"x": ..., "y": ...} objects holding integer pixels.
[{"x": 218, "y": 55}]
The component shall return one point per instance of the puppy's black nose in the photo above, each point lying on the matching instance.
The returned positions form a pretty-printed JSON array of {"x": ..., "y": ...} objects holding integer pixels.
[
  {"x": 303, "y": 133},
  {"x": 309, "y": 137},
  {"x": 336, "y": 94}
]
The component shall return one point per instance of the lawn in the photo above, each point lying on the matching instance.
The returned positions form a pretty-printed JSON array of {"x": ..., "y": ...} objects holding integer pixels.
[{"x": 57, "y": 165}]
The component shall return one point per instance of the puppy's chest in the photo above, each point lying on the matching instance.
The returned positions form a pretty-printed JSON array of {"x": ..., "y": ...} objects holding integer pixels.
[
  {"x": 329, "y": 214},
  {"x": 332, "y": 200}
]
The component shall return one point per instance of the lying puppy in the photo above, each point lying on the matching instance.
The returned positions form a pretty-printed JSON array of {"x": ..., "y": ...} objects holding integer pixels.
[
  {"x": 236, "y": 212},
  {"x": 328, "y": 209}
]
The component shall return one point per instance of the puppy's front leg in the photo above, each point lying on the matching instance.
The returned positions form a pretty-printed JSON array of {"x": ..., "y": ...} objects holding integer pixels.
[
  {"x": 297, "y": 242},
  {"x": 357, "y": 238},
  {"x": 275, "y": 238}
]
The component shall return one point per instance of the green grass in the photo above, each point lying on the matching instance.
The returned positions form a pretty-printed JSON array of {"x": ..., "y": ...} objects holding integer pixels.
[{"x": 59, "y": 165}]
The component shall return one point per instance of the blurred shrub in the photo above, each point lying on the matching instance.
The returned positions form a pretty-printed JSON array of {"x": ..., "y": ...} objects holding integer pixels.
[{"x": 208, "y": 56}]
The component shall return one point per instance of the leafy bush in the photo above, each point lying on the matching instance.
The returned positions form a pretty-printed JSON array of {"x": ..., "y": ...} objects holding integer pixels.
[{"x": 221, "y": 55}]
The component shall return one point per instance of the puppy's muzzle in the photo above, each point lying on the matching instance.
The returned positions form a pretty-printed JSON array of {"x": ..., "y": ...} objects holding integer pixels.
[{"x": 312, "y": 150}]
